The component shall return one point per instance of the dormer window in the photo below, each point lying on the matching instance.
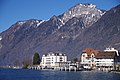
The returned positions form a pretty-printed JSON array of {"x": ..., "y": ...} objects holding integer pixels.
[
  {"x": 92, "y": 56},
  {"x": 83, "y": 55}
]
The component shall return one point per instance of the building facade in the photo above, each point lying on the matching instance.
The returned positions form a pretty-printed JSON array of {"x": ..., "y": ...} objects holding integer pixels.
[
  {"x": 88, "y": 59},
  {"x": 101, "y": 60},
  {"x": 52, "y": 59},
  {"x": 105, "y": 60}
]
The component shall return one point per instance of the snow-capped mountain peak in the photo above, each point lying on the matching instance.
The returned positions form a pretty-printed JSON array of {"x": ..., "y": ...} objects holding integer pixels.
[{"x": 87, "y": 11}]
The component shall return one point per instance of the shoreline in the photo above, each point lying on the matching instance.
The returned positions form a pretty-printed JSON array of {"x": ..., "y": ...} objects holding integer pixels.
[{"x": 117, "y": 72}]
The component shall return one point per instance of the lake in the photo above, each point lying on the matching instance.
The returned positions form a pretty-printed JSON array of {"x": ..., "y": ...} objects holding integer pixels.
[{"x": 26, "y": 74}]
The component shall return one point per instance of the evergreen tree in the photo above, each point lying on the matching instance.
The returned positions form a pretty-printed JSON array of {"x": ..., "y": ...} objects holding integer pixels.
[{"x": 36, "y": 59}]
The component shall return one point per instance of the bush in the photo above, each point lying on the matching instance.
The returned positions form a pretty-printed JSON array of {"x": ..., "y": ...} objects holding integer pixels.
[{"x": 25, "y": 66}]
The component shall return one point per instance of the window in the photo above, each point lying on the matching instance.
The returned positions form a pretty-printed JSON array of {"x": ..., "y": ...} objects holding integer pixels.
[
  {"x": 92, "y": 60},
  {"x": 61, "y": 58},
  {"x": 83, "y": 55},
  {"x": 92, "y": 56},
  {"x": 97, "y": 63}
]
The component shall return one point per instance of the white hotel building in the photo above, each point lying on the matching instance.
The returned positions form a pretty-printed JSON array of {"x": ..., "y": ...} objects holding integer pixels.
[{"x": 52, "y": 59}]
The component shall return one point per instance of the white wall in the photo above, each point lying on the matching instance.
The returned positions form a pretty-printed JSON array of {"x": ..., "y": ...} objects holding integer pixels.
[
  {"x": 51, "y": 59},
  {"x": 104, "y": 62}
]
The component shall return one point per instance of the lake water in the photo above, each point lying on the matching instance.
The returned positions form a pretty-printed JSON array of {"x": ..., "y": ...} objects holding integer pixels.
[{"x": 22, "y": 74}]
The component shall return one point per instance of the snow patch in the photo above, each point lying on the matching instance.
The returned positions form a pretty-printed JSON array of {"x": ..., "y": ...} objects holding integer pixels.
[
  {"x": 59, "y": 27},
  {"x": 38, "y": 23},
  {"x": 85, "y": 12},
  {"x": 93, "y": 15},
  {"x": 0, "y": 38},
  {"x": 62, "y": 37},
  {"x": 61, "y": 22},
  {"x": 21, "y": 23},
  {"x": 73, "y": 15},
  {"x": 92, "y": 6}
]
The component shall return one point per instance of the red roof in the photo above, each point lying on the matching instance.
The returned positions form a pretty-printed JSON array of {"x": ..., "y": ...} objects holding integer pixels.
[{"x": 89, "y": 51}]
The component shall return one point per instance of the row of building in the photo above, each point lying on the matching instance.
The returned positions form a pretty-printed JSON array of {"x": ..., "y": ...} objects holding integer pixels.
[{"x": 108, "y": 59}]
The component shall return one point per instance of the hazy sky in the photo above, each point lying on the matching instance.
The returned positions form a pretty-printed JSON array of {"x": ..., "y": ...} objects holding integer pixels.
[{"x": 12, "y": 11}]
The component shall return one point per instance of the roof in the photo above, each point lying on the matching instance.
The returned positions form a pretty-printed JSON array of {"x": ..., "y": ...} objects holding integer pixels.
[
  {"x": 55, "y": 54},
  {"x": 106, "y": 55},
  {"x": 102, "y": 54},
  {"x": 89, "y": 51}
]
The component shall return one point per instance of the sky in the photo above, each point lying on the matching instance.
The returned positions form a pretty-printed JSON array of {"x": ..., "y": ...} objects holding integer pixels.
[{"x": 12, "y": 11}]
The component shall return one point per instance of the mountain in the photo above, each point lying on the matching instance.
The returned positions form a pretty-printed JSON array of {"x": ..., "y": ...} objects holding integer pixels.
[
  {"x": 104, "y": 33},
  {"x": 67, "y": 33},
  {"x": 88, "y": 12}
]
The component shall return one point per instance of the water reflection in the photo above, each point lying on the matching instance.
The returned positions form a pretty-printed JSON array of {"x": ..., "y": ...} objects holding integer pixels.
[{"x": 10, "y": 74}]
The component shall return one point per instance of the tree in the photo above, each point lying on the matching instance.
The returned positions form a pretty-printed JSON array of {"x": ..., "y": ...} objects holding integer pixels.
[
  {"x": 26, "y": 62},
  {"x": 25, "y": 66},
  {"x": 36, "y": 59}
]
